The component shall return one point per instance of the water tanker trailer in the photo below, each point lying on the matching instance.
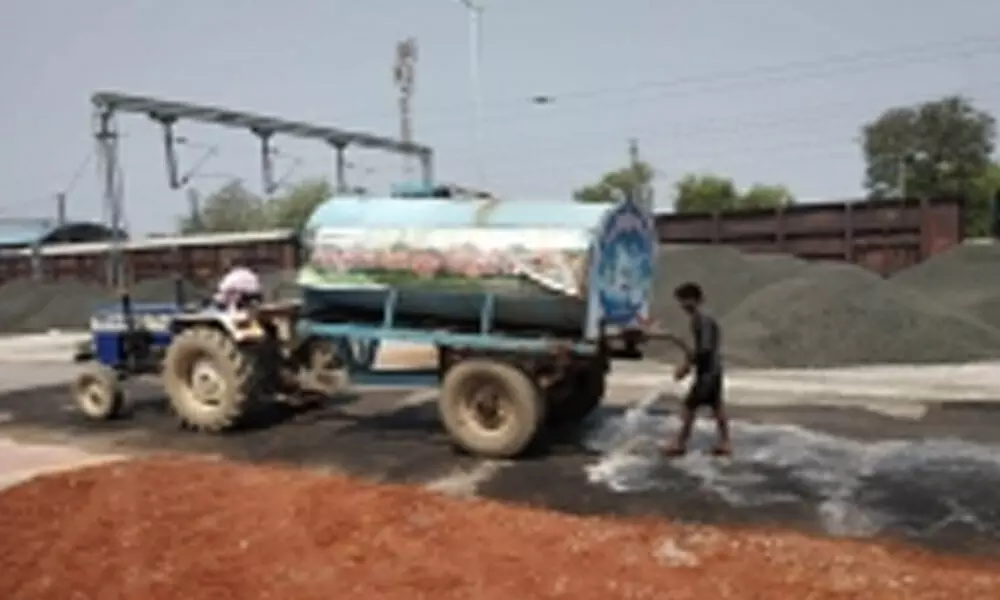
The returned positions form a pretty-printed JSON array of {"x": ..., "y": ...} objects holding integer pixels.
[
  {"x": 514, "y": 308},
  {"x": 518, "y": 306}
]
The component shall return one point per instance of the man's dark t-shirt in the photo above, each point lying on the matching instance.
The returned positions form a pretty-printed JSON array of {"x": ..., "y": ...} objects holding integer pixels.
[{"x": 707, "y": 362}]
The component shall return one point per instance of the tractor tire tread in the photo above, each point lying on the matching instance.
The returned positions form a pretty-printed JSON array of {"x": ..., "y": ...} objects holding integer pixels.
[{"x": 244, "y": 379}]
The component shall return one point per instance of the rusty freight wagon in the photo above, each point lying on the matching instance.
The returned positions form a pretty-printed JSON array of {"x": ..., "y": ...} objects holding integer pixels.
[
  {"x": 195, "y": 257},
  {"x": 884, "y": 236}
]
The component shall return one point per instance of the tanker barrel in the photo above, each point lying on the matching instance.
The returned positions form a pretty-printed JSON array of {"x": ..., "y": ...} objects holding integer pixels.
[{"x": 488, "y": 264}]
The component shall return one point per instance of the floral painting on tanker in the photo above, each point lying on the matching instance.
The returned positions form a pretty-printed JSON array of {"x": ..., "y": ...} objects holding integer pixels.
[{"x": 448, "y": 257}]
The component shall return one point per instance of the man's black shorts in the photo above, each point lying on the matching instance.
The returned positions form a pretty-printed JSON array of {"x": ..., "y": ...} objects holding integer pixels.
[{"x": 706, "y": 391}]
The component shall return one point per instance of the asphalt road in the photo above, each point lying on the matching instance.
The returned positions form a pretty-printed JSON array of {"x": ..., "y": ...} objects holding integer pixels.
[{"x": 933, "y": 480}]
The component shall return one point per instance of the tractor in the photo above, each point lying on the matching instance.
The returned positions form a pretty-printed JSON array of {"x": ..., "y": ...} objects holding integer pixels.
[{"x": 216, "y": 365}]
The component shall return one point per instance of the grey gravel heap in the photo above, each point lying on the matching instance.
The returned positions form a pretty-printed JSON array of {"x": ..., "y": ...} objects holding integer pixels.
[
  {"x": 775, "y": 310},
  {"x": 778, "y": 311},
  {"x": 966, "y": 278}
]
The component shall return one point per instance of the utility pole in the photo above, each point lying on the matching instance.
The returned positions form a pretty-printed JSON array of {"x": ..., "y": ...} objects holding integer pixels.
[
  {"x": 107, "y": 139},
  {"x": 644, "y": 196},
  {"x": 194, "y": 209},
  {"x": 60, "y": 209},
  {"x": 901, "y": 184},
  {"x": 403, "y": 74},
  {"x": 475, "y": 8}
]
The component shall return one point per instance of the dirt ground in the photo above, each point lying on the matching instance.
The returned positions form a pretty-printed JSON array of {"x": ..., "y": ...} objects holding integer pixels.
[
  {"x": 172, "y": 528},
  {"x": 820, "y": 469}
]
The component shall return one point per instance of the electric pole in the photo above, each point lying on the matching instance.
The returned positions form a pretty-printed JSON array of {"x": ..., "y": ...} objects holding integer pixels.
[
  {"x": 904, "y": 162},
  {"x": 194, "y": 209},
  {"x": 475, "y": 8},
  {"x": 60, "y": 209},
  {"x": 643, "y": 193},
  {"x": 404, "y": 73}
]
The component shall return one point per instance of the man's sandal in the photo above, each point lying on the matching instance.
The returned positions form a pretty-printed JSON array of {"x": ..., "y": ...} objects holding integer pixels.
[
  {"x": 675, "y": 450},
  {"x": 722, "y": 451}
]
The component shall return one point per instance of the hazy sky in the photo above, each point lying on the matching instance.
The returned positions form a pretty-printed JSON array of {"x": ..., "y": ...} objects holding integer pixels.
[{"x": 761, "y": 90}]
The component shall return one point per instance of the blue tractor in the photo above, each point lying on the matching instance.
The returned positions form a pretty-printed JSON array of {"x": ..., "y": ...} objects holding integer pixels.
[{"x": 214, "y": 364}]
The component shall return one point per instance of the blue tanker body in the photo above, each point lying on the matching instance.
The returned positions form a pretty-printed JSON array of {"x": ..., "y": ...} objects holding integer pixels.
[{"x": 547, "y": 267}]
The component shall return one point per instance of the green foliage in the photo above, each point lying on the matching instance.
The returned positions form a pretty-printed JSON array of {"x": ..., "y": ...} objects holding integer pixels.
[
  {"x": 230, "y": 208},
  {"x": 705, "y": 193},
  {"x": 935, "y": 148},
  {"x": 631, "y": 181},
  {"x": 979, "y": 202},
  {"x": 766, "y": 196},
  {"x": 292, "y": 210},
  {"x": 234, "y": 208},
  {"x": 712, "y": 193}
]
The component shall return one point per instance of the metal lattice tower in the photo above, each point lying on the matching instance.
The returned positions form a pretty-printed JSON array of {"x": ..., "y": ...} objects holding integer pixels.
[{"x": 403, "y": 74}]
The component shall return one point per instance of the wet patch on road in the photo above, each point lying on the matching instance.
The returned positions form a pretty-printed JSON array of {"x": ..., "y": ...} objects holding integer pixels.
[{"x": 938, "y": 491}]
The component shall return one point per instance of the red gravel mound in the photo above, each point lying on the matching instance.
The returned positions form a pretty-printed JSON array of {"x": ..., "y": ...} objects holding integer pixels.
[{"x": 187, "y": 529}]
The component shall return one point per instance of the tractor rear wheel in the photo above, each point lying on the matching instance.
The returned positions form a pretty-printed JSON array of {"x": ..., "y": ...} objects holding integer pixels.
[
  {"x": 211, "y": 382},
  {"x": 97, "y": 393},
  {"x": 490, "y": 408}
]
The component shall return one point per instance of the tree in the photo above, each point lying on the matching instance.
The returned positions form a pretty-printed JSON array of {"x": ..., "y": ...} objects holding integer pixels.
[
  {"x": 932, "y": 149},
  {"x": 234, "y": 208},
  {"x": 765, "y": 196},
  {"x": 979, "y": 202},
  {"x": 631, "y": 181},
  {"x": 230, "y": 208},
  {"x": 292, "y": 209},
  {"x": 705, "y": 193}
]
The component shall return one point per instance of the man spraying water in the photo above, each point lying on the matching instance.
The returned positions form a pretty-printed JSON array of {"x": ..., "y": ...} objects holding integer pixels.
[{"x": 706, "y": 361}]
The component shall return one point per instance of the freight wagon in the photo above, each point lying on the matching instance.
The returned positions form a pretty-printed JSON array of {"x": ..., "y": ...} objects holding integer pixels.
[{"x": 884, "y": 236}]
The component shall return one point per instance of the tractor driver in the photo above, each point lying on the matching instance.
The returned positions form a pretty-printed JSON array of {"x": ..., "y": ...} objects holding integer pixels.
[{"x": 238, "y": 287}]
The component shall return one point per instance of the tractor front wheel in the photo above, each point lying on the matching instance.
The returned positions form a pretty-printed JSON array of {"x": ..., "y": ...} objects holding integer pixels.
[
  {"x": 210, "y": 380},
  {"x": 97, "y": 392}
]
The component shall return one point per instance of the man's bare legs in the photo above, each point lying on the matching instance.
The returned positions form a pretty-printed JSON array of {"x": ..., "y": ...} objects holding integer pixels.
[
  {"x": 722, "y": 447},
  {"x": 688, "y": 415},
  {"x": 679, "y": 446}
]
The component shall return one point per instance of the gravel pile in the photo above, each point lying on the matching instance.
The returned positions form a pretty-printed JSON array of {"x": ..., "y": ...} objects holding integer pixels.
[
  {"x": 167, "y": 529},
  {"x": 728, "y": 277},
  {"x": 779, "y": 311},
  {"x": 776, "y": 310},
  {"x": 966, "y": 278},
  {"x": 164, "y": 289},
  {"x": 834, "y": 315},
  {"x": 28, "y": 306}
]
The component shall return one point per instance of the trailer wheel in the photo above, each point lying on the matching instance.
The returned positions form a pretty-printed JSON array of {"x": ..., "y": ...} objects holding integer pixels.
[
  {"x": 490, "y": 408},
  {"x": 97, "y": 393},
  {"x": 578, "y": 399},
  {"x": 211, "y": 382}
]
